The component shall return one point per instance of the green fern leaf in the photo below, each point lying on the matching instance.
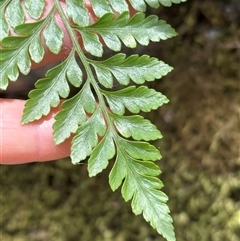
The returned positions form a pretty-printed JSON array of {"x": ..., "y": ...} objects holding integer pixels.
[
  {"x": 87, "y": 137},
  {"x": 139, "y": 150},
  {"x": 128, "y": 30},
  {"x": 35, "y": 8},
  {"x": 95, "y": 116},
  {"x": 4, "y": 3},
  {"x": 103, "y": 7},
  {"x": 76, "y": 8},
  {"x": 14, "y": 57},
  {"x": 101, "y": 155},
  {"x": 33, "y": 30},
  {"x": 13, "y": 60},
  {"x": 4, "y": 28},
  {"x": 74, "y": 113},
  {"x": 28, "y": 29},
  {"x": 141, "y": 185},
  {"x": 134, "y": 99},
  {"x": 92, "y": 44},
  {"x": 49, "y": 90},
  {"x": 53, "y": 36},
  {"x": 36, "y": 50},
  {"x": 8, "y": 70},
  {"x": 119, "y": 6},
  {"x": 168, "y": 3},
  {"x": 100, "y": 7},
  {"x": 140, "y": 5},
  {"x": 138, "y": 69},
  {"x": 15, "y": 13},
  {"x": 136, "y": 127}
]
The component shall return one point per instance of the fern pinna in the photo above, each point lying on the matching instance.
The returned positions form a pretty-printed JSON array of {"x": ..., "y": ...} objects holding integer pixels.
[{"x": 96, "y": 114}]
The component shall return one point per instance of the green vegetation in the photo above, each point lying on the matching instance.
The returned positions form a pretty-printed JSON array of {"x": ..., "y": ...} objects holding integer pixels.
[{"x": 96, "y": 114}]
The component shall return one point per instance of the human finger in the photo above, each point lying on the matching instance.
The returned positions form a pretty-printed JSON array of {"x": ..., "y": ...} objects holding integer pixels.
[{"x": 27, "y": 143}]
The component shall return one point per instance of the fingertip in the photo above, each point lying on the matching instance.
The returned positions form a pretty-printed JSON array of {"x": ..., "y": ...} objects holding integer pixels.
[{"x": 31, "y": 142}]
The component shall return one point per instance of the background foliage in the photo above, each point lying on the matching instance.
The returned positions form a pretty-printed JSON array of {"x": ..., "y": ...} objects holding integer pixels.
[{"x": 200, "y": 165}]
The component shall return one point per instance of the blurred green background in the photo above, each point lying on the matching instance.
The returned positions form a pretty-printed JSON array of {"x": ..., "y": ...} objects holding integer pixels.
[{"x": 200, "y": 148}]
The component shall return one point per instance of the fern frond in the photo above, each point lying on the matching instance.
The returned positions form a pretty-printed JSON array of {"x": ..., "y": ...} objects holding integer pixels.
[
  {"x": 95, "y": 115},
  {"x": 49, "y": 89},
  {"x": 140, "y": 5},
  {"x": 101, "y": 154},
  {"x": 102, "y": 7},
  {"x": 138, "y": 69},
  {"x": 134, "y": 99},
  {"x": 13, "y": 60},
  {"x": 136, "y": 127},
  {"x": 73, "y": 114},
  {"x": 87, "y": 137},
  {"x": 35, "y": 8},
  {"x": 75, "y": 9},
  {"x": 14, "y": 56},
  {"x": 128, "y": 30},
  {"x": 15, "y": 13},
  {"x": 141, "y": 185},
  {"x": 4, "y": 28},
  {"x": 53, "y": 42}
]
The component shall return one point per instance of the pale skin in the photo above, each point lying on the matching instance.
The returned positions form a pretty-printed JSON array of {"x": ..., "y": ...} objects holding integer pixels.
[{"x": 32, "y": 142}]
